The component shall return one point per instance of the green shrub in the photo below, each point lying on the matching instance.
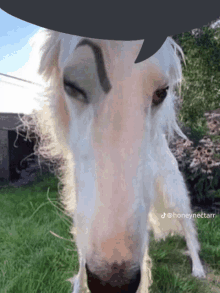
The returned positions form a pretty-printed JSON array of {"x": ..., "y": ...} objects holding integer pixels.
[{"x": 200, "y": 88}]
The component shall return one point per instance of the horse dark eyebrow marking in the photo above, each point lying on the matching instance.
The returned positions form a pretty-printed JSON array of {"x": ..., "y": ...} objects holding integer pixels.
[{"x": 102, "y": 74}]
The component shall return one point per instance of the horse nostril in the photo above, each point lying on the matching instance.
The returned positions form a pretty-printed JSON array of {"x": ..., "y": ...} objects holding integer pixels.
[{"x": 118, "y": 283}]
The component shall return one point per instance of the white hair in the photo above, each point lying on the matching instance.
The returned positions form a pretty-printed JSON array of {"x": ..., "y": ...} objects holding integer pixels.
[{"x": 67, "y": 128}]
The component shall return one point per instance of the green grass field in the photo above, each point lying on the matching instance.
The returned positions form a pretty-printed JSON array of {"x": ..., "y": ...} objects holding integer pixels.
[{"x": 32, "y": 259}]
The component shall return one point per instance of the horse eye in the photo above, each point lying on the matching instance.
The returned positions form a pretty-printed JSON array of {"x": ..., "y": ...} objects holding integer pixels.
[
  {"x": 74, "y": 91},
  {"x": 159, "y": 96}
]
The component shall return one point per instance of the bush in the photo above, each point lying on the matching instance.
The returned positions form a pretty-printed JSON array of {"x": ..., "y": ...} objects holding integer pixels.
[
  {"x": 200, "y": 88},
  {"x": 200, "y": 113}
]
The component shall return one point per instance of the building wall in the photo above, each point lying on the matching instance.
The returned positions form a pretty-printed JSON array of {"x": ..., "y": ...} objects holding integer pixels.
[
  {"x": 4, "y": 157},
  {"x": 19, "y": 152},
  {"x": 8, "y": 123}
]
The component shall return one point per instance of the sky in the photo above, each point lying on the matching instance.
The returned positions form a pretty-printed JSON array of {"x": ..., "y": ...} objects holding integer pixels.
[
  {"x": 16, "y": 37},
  {"x": 14, "y": 46}
]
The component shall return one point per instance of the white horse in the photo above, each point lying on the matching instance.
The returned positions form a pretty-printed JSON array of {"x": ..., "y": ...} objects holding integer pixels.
[{"x": 109, "y": 120}]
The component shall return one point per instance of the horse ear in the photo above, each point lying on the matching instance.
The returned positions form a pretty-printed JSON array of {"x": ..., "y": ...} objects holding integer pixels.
[{"x": 50, "y": 55}]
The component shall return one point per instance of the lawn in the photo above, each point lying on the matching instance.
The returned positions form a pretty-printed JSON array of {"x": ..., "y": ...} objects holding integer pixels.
[{"x": 33, "y": 259}]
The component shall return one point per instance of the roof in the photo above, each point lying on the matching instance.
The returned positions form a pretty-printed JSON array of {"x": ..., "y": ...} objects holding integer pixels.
[{"x": 9, "y": 121}]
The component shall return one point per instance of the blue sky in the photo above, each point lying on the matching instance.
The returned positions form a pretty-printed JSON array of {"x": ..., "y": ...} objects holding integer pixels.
[
  {"x": 15, "y": 50},
  {"x": 14, "y": 47}
]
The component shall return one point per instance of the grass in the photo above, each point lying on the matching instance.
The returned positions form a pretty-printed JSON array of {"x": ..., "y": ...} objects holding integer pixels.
[
  {"x": 172, "y": 269},
  {"x": 33, "y": 260}
]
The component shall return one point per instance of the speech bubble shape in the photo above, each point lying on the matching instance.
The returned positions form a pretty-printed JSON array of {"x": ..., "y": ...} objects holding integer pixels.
[{"x": 118, "y": 20}]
